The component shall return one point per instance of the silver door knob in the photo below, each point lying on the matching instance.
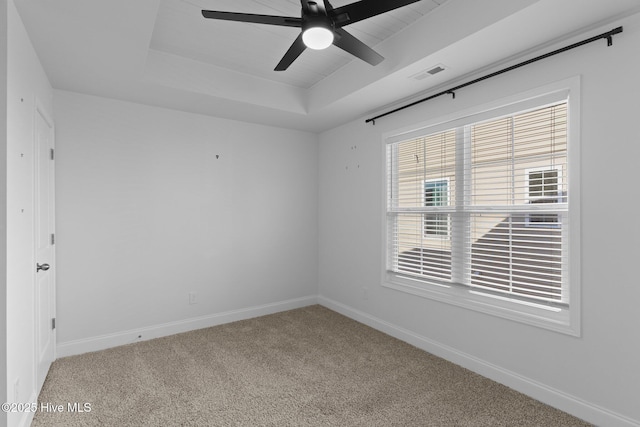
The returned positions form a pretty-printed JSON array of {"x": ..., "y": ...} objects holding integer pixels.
[{"x": 44, "y": 267}]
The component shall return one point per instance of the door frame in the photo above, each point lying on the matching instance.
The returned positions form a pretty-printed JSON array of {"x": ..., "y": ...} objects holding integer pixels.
[{"x": 41, "y": 111}]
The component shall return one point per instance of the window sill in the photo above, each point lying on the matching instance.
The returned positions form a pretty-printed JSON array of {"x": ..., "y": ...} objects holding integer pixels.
[{"x": 555, "y": 318}]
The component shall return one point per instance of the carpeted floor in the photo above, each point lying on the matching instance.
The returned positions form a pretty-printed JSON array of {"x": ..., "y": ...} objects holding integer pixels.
[{"x": 304, "y": 367}]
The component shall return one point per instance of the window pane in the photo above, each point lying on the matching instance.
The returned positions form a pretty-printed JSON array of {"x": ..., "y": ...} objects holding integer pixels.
[
  {"x": 503, "y": 151},
  {"x": 418, "y": 255},
  {"x": 510, "y": 258},
  {"x": 519, "y": 161},
  {"x": 430, "y": 158}
]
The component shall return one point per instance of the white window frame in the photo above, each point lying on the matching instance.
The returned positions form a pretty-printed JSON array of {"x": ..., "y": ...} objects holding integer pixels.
[{"x": 564, "y": 319}]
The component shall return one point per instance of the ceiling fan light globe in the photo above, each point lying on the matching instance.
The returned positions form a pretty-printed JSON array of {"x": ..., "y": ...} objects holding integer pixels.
[{"x": 317, "y": 38}]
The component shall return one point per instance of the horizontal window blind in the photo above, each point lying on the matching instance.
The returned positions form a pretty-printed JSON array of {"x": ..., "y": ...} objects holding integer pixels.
[
  {"x": 484, "y": 205},
  {"x": 421, "y": 201}
]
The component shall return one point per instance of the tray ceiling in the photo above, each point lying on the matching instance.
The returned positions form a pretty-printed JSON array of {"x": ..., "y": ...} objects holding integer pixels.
[
  {"x": 255, "y": 49},
  {"x": 164, "y": 53}
]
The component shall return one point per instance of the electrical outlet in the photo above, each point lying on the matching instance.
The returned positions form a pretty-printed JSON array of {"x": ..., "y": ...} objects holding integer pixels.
[
  {"x": 16, "y": 391},
  {"x": 192, "y": 298},
  {"x": 365, "y": 293}
]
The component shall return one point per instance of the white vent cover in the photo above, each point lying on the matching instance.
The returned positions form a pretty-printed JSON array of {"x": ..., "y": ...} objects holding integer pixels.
[{"x": 431, "y": 71}]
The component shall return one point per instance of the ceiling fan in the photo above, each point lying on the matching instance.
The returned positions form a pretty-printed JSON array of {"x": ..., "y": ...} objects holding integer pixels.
[{"x": 321, "y": 26}]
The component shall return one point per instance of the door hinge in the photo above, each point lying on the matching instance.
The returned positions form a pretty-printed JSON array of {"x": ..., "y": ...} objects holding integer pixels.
[
  {"x": 53, "y": 239},
  {"x": 52, "y": 154},
  {"x": 53, "y": 323}
]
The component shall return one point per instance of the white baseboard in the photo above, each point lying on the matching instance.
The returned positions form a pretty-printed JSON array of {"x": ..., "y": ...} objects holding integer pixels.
[
  {"x": 27, "y": 417},
  {"x": 549, "y": 395},
  {"x": 102, "y": 342}
]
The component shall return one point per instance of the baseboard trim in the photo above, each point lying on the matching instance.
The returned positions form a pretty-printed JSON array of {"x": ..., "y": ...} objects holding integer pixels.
[
  {"x": 102, "y": 342},
  {"x": 558, "y": 399},
  {"x": 27, "y": 417}
]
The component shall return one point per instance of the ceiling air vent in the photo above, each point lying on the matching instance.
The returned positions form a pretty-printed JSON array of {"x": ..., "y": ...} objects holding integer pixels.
[{"x": 429, "y": 72}]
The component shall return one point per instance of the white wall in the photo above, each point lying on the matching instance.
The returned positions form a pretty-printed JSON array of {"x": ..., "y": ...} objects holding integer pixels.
[
  {"x": 3, "y": 208},
  {"x": 147, "y": 213},
  {"x": 595, "y": 376},
  {"x": 27, "y": 84}
]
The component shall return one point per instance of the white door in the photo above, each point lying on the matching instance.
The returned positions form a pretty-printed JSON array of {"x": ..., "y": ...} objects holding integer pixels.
[{"x": 44, "y": 247}]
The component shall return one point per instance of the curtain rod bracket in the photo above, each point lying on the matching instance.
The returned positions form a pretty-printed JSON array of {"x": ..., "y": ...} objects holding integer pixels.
[
  {"x": 609, "y": 40},
  {"x": 452, "y": 93}
]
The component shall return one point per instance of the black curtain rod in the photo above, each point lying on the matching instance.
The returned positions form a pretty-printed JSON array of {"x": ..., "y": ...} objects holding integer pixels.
[{"x": 608, "y": 35}]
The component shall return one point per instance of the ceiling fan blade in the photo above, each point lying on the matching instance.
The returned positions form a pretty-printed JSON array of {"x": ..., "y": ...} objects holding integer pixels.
[
  {"x": 354, "y": 12},
  {"x": 348, "y": 43},
  {"x": 294, "y": 51},
  {"x": 284, "y": 21}
]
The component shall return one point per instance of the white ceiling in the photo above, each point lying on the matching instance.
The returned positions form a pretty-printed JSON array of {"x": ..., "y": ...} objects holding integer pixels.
[{"x": 164, "y": 53}]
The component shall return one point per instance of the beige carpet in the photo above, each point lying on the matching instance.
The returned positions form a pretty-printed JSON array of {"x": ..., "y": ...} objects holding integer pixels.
[{"x": 305, "y": 367}]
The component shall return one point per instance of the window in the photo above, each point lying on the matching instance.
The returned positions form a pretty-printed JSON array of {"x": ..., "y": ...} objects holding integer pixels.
[
  {"x": 421, "y": 187},
  {"x": 478, "y": 212},
  {"x": 543, "y": 186},
  {"x": 436, "y": 193}
]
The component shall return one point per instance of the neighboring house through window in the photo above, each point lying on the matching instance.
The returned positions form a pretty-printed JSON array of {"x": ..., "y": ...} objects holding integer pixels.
[
  {"x": 544, "y": 186},
  {"x": 436, "y": 193}
]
